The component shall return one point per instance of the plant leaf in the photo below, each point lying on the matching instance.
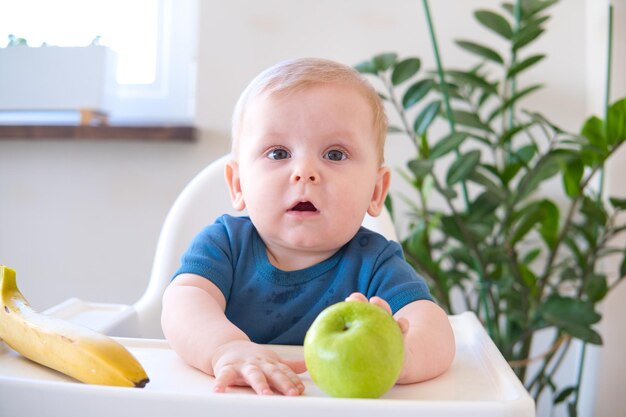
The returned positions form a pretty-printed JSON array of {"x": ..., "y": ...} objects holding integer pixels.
[
  {"x": 421, "y": 167},
  {"x": 596, "y": 288},
  {"x": 572, "y": 244},
  {"x": 595, "y": 131},
  {"x": 484, "y": 205},
  {"x": 463, "y": 167},
  {"x": 531, "y": 255},
  {"x": 530, "y": 216},
  {"x": 572, "y": 315},
  {"x": 389, "y": 206},
  {"x": 549, "y": 229},
  {"x": 566, "y": 392},
  {"x": 426, "y": 117},
  {"x": 563, "y": 311},
  {"x": 619, "y": 203},
  {"x": 530, "y": 8},
  {"x": 535, "y": 21},
  {"x": 535, "y": 7},
  {"x": 405, "y": 70},
  {"x": 482, "y": 179},
  {"x": 507, "y": 135},
  {"x": 416, "y": 92},
  {"x": 472, "y": 79},
  {"x": 584, "y": 333},
  {"x": 572, "y": 175},
  {"x": 384, "y": 61},
  {"x": 616, "y": 123},
  {"x": 594, "y": 210},
  {"x": 470, "y": 120},
  {"x": 461, "y": 254},
  {"x": 449, "y": 193},
  {"x": 451, "y": 228},
  {"x": 545, "y": 168},
  {"x": 366, "y": 67},
  {"x": 447, "y": 144},
  {"x": 481, "y": 50},
  {"x": 495, "y": 22},
  {"x": 522, "y": 65},
  {"x": 512, "y": 100},
  {"x": 526, "y": 36},
  {"x": 519, "y": 159},
  {"x": 417, "y": 246}
]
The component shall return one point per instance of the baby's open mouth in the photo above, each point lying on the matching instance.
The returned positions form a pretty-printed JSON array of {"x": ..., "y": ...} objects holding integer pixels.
[{"x": 304, "y": 206}]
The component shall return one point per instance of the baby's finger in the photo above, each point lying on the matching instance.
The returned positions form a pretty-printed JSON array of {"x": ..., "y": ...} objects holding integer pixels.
[
  {"x": 255, "y": 377},
  {"x": 381, "y": 303},
  {"x": 404, "y": 325},
  {"x": 225, "y": 378},
  {"x": 356, "y": 296},
  {"x": 297, "y": 366},
  {"x": 283, "y": 379}
]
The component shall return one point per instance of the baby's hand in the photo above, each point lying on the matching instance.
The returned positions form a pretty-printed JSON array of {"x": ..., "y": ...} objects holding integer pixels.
[
  {"x": 244, "y": 363},
  {"x": 357, "y": 296}
]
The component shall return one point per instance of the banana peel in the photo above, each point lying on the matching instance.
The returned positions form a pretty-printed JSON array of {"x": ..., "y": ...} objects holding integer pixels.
[{"x": 73, "y": 350}]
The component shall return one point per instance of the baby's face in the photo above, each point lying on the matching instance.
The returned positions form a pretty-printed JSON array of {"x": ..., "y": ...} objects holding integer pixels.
[{"x": 308, "y": 168}]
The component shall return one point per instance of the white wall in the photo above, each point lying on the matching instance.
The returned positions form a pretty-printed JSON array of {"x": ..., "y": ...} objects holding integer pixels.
[{"x": 82, "y": 218}]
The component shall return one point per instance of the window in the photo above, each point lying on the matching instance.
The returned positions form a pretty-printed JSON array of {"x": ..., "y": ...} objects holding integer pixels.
[{"x": 154, "y": 41}]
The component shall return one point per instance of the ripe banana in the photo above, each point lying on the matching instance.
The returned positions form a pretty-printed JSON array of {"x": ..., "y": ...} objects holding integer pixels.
[{"x": 77, "y": 351}]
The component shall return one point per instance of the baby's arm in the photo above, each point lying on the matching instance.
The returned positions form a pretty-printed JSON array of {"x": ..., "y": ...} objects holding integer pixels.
[
  {"x": 196, "y": 327},
  {"x": 429, "y": 342},
  {"x": 428, "y": 339}
]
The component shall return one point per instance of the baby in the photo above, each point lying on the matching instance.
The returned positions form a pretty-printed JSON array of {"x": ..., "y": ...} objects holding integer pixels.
[{"x": 307, "y": 164}]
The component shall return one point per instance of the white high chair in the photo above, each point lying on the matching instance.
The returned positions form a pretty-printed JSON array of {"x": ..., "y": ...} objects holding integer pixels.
[{"x": 479, "y": 382}]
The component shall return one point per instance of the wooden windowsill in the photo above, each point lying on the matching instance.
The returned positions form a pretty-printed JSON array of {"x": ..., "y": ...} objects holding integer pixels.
[{"x": 151, "y": 133}]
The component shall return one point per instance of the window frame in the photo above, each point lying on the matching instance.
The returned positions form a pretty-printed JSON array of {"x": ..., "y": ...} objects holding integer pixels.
[{"x": 171, "y": 97}]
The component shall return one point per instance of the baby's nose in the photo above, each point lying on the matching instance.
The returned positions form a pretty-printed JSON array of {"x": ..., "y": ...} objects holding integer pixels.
[
  {"x": 305, "y": 172},
  {"x": 296, "y": 177}
]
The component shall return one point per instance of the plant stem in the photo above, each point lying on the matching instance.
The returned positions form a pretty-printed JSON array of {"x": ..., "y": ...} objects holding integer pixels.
[
  {"x": 517, "y": 12},
  {"x": 579, "y": 377},
  {"x": 607, "y": 87},
  {"x": 542, "y": 375},
  {"x": 565, "y": 229},
  {"x": 479, "y": 266},
  {"x": 405, "y": 124},
  {"x": 549, "y": 374},
  {"x": 446, "y": 101},
  {"x": 443, "y": 86}
]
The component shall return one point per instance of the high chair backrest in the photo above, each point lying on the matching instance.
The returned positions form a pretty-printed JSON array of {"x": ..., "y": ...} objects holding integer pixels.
[{"x": 199, "y": 204}]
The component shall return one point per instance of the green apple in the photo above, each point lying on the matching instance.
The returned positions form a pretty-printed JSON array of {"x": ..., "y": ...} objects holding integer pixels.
[{"x": 354, "y": 349}]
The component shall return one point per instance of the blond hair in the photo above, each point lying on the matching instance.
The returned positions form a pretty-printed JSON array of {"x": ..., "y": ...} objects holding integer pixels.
[{"x": 294, "y": 75}]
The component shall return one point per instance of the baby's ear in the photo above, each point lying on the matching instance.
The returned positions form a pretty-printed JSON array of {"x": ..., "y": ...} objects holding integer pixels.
[
  {"x": 231, "y": 174},
  {"x": 377, "y": 203}
]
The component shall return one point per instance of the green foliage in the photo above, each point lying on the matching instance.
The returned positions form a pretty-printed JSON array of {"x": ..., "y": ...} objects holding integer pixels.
[{"x": 523, "y": 258}]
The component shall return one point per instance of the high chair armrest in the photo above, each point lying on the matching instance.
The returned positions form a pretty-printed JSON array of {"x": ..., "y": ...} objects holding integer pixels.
[{"x": 111, "y": 319}]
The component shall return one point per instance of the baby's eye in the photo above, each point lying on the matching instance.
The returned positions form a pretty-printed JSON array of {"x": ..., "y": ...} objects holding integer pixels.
[
  {"x": 336, "y": 155},
  {"x": 278, "y": 154}
]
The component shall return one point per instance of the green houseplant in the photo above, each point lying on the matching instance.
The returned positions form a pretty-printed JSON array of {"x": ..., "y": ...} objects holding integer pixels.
[{"x": 524, "y": 262}]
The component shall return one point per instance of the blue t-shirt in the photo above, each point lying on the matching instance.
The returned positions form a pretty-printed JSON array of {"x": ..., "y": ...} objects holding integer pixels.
[{"x": 273, "y": 306}]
